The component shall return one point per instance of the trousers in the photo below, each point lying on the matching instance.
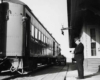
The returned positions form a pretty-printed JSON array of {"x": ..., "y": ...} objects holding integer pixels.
[{"x": 80, "y": 68}]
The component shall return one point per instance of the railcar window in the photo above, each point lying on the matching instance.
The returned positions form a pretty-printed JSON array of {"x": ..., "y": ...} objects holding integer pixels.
[
  {"x": 52, "y": 45},
  {"x": 36, "y": 33},
  {"x": 57, "y": 49},
  {"x": 46, "y": 40},
  {"x": 93, "y": 41},
  {"x": 42, "y": 37},
  {"x": 39, "y": 35},
  {"x": 49, "y": 42},
  {"x": 32, "y": 31}
]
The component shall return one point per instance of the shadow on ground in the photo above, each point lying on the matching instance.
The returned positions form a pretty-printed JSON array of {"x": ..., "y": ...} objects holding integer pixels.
[
  {"x": 92, "y": 75},
  {"x": 73, "y": 67}
]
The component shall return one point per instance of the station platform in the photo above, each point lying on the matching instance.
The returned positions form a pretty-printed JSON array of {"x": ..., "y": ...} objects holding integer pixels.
[
  {"x": 50, "y": 73},
  {"x": 68, "y": 72},
  {"x": 72, "y": 74}
]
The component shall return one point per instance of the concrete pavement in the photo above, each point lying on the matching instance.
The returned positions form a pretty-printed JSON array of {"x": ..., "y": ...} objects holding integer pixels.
[
  {"x": 72, "y": 74},
  {"x": 68, "y": 72}
]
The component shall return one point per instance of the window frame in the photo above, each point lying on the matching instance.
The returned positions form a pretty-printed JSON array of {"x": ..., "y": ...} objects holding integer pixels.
[
  {"x": 39, "y": 35},
  {"x": 36, "y": 33},
  {"x": 93, "y": 41},
  {"x": 32, "y": 30}
]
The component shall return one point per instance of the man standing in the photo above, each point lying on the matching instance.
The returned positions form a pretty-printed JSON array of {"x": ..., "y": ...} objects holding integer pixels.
[{"x": 79, "y": 57}]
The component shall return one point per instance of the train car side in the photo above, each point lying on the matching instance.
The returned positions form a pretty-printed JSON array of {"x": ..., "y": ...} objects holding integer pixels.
[
  {"x": 42, "y": 44},
  {"x": 11, "y": 36},
  {"x": 24, "y": 42}
]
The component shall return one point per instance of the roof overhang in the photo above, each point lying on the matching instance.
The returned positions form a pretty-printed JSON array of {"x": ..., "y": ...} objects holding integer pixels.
[
  {"x": 75, "y": 19},
  {"x": 77, "y": 11}
]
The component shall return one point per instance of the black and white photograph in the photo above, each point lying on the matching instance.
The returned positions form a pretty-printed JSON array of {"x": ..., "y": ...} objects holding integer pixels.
[{"x": 49, "y": 39}]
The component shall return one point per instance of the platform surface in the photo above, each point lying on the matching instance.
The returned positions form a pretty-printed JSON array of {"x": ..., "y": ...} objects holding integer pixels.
[
  {"x": 51, "y": 73},
  {"x": 68, "y": 72}
]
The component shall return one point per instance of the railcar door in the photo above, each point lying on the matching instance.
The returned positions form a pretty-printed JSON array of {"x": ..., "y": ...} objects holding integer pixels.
[{"x": 27, "y": 39}]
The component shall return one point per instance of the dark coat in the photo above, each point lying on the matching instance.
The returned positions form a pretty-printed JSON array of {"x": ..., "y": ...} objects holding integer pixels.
[{"x": 79, "y": 52}]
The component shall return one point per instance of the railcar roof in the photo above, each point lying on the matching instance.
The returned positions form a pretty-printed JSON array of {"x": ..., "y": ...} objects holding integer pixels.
[
  {"x": 22, "y": 3},
  {"x": 41, "y": 24},
  {"x": 15, "y": 1}
]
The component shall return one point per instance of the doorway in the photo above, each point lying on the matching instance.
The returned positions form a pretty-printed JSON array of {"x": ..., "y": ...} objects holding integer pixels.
[{"x": 27, "y": 36}]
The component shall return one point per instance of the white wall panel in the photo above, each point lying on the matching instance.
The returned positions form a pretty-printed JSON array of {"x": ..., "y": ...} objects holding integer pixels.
[{"x": 14, "y": 30}]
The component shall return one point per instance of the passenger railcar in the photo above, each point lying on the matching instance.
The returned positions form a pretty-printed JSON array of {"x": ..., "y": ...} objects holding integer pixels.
[{"x": 24, "y": 42}]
